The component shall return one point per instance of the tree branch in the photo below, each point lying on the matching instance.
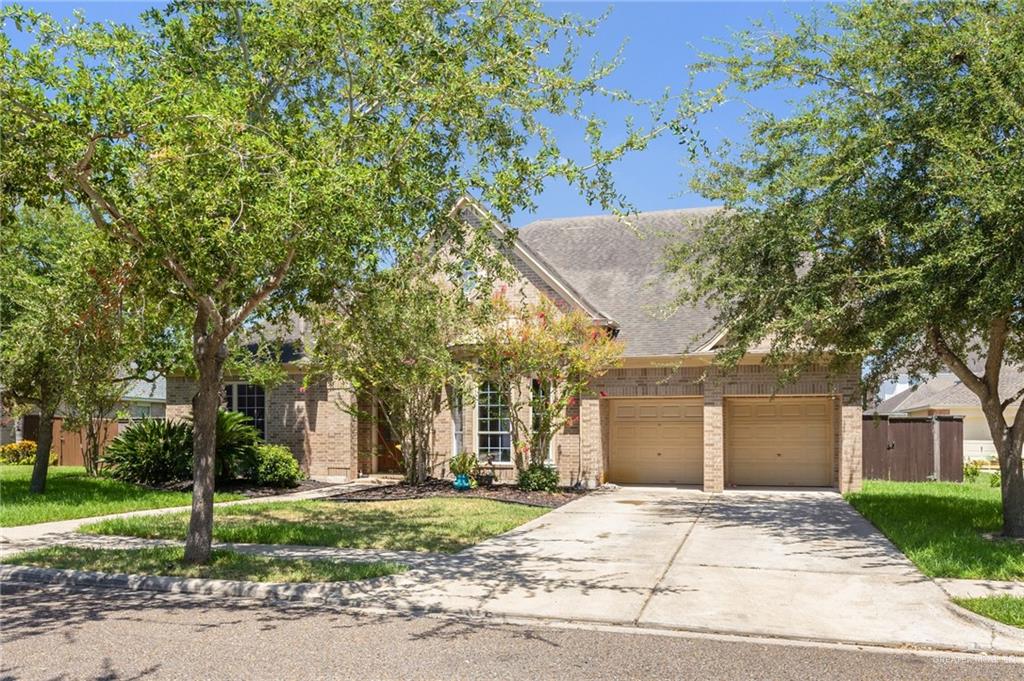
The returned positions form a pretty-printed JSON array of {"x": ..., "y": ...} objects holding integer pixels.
[
  {"x": 271, "y": 284},
  {"x": 997, "y": 332},
  {"x": 957, "y": 365},
  {"x": 1010, "y": 400}
]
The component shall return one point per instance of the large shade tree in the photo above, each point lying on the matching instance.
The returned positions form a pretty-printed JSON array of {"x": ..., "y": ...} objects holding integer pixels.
[
  {"x": 880, "y": 217},
  {"x": 259, "y": 156}
]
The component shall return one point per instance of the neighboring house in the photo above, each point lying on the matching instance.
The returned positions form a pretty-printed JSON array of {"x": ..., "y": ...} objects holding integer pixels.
[
  {"x": 946, "y": 394},
  {"x": 665, "y": 416},
  {"x": 142, "y": 399}
]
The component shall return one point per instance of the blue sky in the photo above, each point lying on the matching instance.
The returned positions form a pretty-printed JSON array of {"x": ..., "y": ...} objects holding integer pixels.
[{"x": 662, "y": 40}]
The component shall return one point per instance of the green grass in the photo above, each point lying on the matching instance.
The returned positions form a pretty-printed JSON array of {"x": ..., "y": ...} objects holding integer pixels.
[
  {"x": 1005, "y": 609},
  {"x": 167, "y": 561},
  {"x": 70, "y": 493},
  {"x": 439, "y": 524},
  {"x": 938, "y": 525}
]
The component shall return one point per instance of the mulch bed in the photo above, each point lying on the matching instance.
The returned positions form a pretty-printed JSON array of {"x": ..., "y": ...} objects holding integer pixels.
[{"x": 443, "y": 488}]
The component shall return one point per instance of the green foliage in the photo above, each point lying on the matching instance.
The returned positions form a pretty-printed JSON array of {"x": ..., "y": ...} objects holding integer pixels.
[
  {"x": 463, "y": 463},
  {"x": 538, "y": 477},
  {"x": 167, "y": 560},
  {"x": 18, "y": 453},
  {"x": 882, "y": 213},
  {"x": 275, "y": 466},
  {"x": 437, "y": 524},
  {"x": 257, "y": 158},
  {"x": 153, "y": 452},
  {"x": 939, "y": 526},
  {"x": 1005, "y": 609},
  {"x": 237, "y": 442},
  {"x": 73, "y": 493},
  {"x": 75, "y": 324},
  {"x": 150, "y": 452},
  {"x": 972, "y": 469},
  {"x": 542, "y": 358}
]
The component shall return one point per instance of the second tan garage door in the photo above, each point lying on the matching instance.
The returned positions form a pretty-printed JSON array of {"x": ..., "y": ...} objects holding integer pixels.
[
  {"x": 656, "y": 441},
  {"x": 780, "y": 442}
]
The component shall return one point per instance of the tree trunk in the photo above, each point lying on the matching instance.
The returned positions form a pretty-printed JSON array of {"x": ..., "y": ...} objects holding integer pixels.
[
  {"x": 1012, "y": 479},
  {"x": 91, "y": 450},
  {"x": 205, "y": 405},
  {"x": 1011, "y": 475},
  {"x": 43, "y": 447}
]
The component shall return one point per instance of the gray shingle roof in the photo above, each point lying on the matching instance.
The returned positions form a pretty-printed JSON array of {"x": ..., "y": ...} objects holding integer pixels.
[
  {"x": 944, "y": 391},
  {"x": 619, "y": 268}
]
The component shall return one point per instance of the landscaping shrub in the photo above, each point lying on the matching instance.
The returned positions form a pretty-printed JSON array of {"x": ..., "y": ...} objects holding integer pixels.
[
  {"x": 463, "y": 463},
  {"x": 972, "y": 469},
  {"x": 274, "y": 466},
  {"x": 538, "y": 477},
  {"x": 21, "y": 453},
  {"x": 160, "y": 452},
  {"x": 237, "y": 441},
  {"x": 151, "y": 453}
]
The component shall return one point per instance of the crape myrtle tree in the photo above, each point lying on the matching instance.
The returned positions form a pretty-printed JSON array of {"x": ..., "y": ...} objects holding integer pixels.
[
  {"x": 397, "y": 341},
  {"x": 73, "y": 332},
  {"x": 258, "y": 157},
  {"x": 881, "y": 216},
  {"x": 541, "y": 358}
]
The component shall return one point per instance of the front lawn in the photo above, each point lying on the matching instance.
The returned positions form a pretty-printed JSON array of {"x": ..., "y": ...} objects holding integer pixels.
[
  {"x": 70, "y": 493},
  {"x": 437, "y": 524},
  {"x": 938, "y": 525},
  {"x": 167, "y": 561},
  {"x": 1005, "y": 609}
]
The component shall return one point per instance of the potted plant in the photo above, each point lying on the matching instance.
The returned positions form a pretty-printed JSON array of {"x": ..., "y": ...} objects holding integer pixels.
[{"x": 463, "y": 464}]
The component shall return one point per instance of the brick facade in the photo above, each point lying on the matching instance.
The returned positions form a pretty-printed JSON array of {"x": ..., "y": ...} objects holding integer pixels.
[{"x": 311, "y": 422}]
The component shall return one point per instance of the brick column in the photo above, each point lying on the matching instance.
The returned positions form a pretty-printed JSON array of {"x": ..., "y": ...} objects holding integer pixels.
[
  {"x": 714, "y": 435},
  {"x": 851, "y": 454},
  {"x": 591, "y": 452}
]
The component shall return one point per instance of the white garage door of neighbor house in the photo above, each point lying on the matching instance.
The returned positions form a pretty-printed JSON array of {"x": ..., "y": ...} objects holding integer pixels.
[
  {"x": 780, "y": 442},
  {"x": 656, "y": 441}
]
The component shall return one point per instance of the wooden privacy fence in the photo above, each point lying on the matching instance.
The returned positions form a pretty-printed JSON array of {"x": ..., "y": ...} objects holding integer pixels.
[
  {"x": 69, "y": 445},
  {"x": 913, "y": 448}
]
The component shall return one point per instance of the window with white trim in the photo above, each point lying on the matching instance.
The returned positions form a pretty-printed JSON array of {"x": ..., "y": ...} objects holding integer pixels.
[
  {"x": 249, "y": 400},
  {"x": 494, "y": 428}
]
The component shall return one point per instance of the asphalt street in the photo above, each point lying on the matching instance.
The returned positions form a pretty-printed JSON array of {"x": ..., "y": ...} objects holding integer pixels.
[{"x": 57, "y": 633}]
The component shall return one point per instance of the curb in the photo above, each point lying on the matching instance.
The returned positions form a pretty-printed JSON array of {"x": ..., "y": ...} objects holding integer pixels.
[
  {"x": 995, "y": 626},
  {"x": 334, "y": 595},
  {"x": 302, "y": 592}
]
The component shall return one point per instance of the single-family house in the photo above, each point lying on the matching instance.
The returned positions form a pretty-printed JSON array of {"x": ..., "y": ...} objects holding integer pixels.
[{"x": 666, "y": 416}]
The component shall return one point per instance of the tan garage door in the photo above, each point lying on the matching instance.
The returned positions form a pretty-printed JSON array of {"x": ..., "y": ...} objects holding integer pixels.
[
  {"x": 656, "y": 441},
  {"x": 785, "y": 442}
]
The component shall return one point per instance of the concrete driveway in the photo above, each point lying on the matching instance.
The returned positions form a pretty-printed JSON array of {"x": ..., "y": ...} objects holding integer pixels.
[{"x": 799, "y": 564}]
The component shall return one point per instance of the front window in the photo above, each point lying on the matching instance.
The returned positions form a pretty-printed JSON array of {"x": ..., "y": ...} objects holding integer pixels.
[
  {"x": 494, "y": 429},
  {"x": 249, "y": 400}
]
